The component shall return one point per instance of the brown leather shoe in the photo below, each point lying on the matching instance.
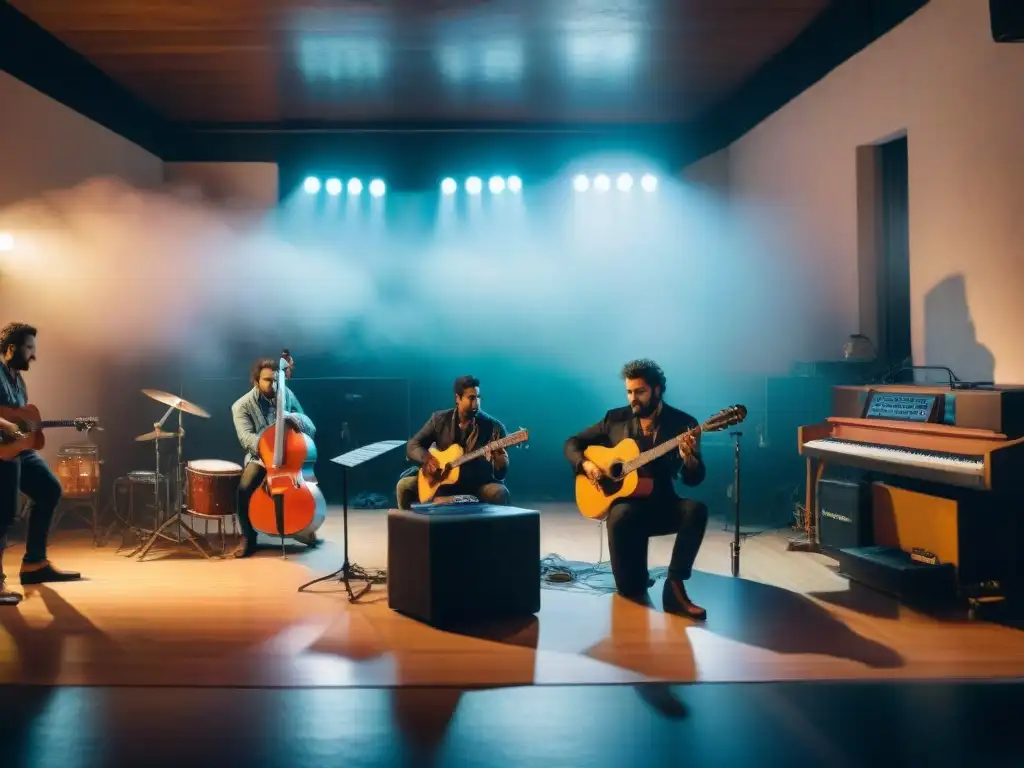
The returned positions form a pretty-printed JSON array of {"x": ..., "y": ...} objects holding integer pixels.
[
  {"x": 44, "y": 572},
  {"x": 678, "y": 602}
]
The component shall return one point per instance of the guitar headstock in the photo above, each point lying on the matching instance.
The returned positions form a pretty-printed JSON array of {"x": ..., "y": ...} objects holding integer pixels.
[
  {"x": 525, "y": 442},
  {"x": 725, "y": 418},
  {"x": 86, "y": 423}
]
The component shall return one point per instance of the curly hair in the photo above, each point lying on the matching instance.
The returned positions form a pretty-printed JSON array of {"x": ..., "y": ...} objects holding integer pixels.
[
  {"x": 15, "y": 333},
  {"x": 465, "y": 382},
  {"x": 648, "y": 370},
  {"x": 259, "y": 365}
]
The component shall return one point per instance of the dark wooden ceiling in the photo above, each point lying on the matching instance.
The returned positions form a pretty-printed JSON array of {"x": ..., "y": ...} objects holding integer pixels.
[{"x": 275, "y": 61}]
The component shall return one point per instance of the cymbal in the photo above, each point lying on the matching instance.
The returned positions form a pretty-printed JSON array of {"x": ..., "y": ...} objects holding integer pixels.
[
  {"x": 156, "y": 434},
  {"x": 175, "y": 402}
]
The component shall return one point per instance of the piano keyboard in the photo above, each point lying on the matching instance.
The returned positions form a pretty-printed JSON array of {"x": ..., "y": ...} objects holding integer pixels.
[{"x": 962, "y": 464}]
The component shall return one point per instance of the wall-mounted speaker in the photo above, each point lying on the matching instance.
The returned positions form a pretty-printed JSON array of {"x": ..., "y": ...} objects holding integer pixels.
[{"x": 1007, "y": 17}]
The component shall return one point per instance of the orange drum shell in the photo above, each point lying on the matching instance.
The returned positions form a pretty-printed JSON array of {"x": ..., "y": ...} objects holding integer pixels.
[{"x": 212, "y": 494}]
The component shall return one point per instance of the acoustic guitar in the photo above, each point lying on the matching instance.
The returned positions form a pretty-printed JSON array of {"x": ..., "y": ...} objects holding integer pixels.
[
  {"x": 620, "y": 463},
  {"x": 31, "y": 425},
  {"x": 450, "y": 459}
]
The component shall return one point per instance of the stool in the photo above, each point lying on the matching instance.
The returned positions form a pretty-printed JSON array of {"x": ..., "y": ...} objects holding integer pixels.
[{"x": 464, "y": 563}]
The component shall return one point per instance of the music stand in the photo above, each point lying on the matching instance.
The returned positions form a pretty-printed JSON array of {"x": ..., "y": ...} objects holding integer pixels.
[{"x": 350, "y": 571}]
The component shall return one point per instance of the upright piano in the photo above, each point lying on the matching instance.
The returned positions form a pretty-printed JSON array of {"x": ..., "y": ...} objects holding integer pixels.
[{"x": 944, "y": 473}]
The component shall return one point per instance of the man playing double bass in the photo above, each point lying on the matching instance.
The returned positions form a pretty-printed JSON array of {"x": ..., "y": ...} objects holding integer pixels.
[{"x": 253, "y": 413}]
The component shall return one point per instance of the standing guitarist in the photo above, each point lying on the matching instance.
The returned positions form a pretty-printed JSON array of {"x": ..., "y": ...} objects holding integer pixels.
[
  {"x": 650, "y": 421},
  {"x": 469, "y": 427},
  {"x": 26, "y": 473}
]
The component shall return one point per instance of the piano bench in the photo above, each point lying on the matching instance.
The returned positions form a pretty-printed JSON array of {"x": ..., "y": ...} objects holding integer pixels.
[
  {"x": 892, "y": 571},
  {"x": 458, "y": 564}
]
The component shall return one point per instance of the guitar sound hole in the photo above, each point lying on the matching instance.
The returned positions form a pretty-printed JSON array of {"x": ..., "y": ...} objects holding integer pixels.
[{"x": 615, "y": 470}]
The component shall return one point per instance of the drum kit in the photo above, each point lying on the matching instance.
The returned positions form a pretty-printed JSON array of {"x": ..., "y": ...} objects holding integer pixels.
[{"x": 207, "y": 489}]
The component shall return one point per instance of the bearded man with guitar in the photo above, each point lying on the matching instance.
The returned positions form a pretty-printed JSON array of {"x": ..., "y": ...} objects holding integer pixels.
[
  {"x": 649, "y": 421},
  {"x": 254, "y": 413},
  {"x": 469, "y": 428},
  {"x": 26, "y": 472}
]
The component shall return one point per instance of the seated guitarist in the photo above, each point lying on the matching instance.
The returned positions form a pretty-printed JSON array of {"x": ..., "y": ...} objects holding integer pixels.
[
  {"x": 26, "y": 473},
  {"x": 469, "y": 427},
  {"x": 649, "y": 420}
]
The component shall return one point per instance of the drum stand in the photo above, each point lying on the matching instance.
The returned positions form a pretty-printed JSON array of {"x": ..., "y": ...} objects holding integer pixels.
[{"x": 190, "y": 536}]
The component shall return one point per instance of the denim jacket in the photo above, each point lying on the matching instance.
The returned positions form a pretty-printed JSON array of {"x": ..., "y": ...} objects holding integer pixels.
[{"x": 253, "y": 413}]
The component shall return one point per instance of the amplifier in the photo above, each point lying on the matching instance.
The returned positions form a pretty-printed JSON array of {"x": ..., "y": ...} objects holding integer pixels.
[{"x": 844, "y": 513}]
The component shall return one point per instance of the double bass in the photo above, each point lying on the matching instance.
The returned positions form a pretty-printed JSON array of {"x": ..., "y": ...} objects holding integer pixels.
[{"x": 288, "y": 501}]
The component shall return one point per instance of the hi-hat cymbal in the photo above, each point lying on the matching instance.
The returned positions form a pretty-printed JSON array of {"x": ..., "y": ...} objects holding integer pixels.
[
  {"x": 156, "y": 434},
  {"x": 175, "y": 402}
]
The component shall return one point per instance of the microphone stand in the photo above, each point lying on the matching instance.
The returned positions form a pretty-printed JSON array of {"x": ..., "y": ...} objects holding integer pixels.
[{"x": 734, "y": 546}]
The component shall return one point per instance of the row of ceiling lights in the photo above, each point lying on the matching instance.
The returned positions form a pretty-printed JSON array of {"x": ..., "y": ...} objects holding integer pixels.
[{"x": 474, "y": 185}]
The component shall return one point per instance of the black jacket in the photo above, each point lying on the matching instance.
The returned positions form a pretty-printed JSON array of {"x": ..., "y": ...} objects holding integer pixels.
[
  {"x": 440, "y": 431},
  {"x": 620, "y": 423}
]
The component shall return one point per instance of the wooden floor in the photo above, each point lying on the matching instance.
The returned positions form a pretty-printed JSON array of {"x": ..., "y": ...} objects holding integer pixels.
[{"x": 180, "y": 620}]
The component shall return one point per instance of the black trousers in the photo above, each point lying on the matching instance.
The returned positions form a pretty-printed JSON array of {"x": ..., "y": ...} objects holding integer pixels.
[
  {"x": 632, "y": 522},
  {"x": 252, "y": 476},
  {"x": 28, "y": 474}
]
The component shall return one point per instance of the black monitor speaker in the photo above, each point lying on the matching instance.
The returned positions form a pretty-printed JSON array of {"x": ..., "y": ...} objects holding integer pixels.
[{"x": 1007, "y": 17}]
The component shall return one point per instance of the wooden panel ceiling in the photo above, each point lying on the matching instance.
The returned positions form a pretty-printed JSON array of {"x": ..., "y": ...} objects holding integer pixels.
[{"x": 271, "y": 61}]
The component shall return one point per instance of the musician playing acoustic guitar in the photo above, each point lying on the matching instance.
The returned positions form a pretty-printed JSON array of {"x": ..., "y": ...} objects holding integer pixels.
[
  {"x": 26, "y": 473},
  {"x": 469, "y": 427},
  {"x": 650, "y": 421},
  {"x": 252, "y": 413}
]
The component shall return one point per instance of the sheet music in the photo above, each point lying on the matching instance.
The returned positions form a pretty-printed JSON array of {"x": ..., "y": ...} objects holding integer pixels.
[{"x": 367, "y": 452}]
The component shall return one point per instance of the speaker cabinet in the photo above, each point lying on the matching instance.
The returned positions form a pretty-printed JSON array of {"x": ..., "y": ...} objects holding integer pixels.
[
  {"x": 1007, "y": 18},
  {"x": 844, "y": 513}
]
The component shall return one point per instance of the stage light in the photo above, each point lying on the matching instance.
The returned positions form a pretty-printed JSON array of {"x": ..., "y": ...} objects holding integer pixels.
[
  {"x": 624, "y": 182},
  {"x": 311, "y": 185},
  {"x": 496, "y": 185},
  {"x": 377, "y": 188},
  {"x": 6, "y": 242},
  {"x": 649, "y": 182},
  {"x": 448, "y": 186},
  {"x": 474, "y": 185},
  {"x": 602, "y": 183},
  {"x": 515, "y": 184},
  {"x": 355, "y": 186},
  {"x": 333, "y": 186},
  {"x": 581, "y": 183}
]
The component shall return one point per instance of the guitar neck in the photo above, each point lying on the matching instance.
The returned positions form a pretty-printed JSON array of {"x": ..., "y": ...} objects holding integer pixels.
[
  {"x": 658, "y": 451},
  {"x": 497, "y": 444},
  {"x": 55, "y": 424}
]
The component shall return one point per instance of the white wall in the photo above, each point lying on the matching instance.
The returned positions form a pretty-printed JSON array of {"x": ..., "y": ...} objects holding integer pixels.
[
  {"x": 960, "y": 98},
  {"x": 45, "y": 147}
]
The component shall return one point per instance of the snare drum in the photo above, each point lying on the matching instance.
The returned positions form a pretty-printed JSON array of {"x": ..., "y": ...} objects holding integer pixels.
[{"x": 212, "y": 487}]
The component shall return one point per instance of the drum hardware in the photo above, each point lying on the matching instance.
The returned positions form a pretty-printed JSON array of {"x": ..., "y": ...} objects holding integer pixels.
[{"x": 184, "y": 532}]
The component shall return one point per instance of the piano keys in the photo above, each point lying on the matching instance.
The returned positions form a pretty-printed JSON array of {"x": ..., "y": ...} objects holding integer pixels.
[{"x": 946, "y": 469}]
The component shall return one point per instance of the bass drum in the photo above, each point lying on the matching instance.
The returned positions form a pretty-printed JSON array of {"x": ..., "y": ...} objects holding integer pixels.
[{"x": 212, "y": 487}]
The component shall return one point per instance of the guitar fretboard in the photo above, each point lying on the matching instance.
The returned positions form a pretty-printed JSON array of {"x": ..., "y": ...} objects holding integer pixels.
[
  {"x": 658, "y": 451},
  {"x": 505, "y": 442}
]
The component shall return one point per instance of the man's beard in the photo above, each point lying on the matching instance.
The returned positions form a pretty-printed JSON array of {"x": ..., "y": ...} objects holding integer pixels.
[{"x": 645, "y": 411}]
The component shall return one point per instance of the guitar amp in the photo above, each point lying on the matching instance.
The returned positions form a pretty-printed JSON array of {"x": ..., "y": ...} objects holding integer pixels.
[{"x": 844, "y": 512}]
